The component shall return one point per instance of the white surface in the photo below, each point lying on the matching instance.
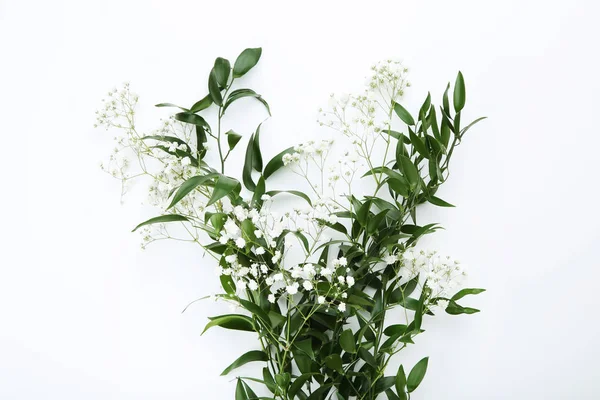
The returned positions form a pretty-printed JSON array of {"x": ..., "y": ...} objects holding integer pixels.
[{"x": 86, "y": 315}]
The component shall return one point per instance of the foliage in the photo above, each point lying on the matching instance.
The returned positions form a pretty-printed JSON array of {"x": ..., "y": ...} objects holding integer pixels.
[{"x": 320, "y": 314}]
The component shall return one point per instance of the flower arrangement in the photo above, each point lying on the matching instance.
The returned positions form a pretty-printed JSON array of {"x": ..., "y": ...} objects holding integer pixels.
[{"x": 315, "y": 282}]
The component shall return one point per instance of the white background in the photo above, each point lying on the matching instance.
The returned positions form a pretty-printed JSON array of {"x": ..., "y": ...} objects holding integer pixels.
[{"x": 85, "y": 314}]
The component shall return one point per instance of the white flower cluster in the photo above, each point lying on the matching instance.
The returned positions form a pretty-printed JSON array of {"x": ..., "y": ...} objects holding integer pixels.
[
  {"x": 388, "y": 76},
  {"x": 441, "y": 274},
  {"x": 345, "y": 169},
  {"x": 166, "y": 163},
  {"x": 309, "y": 151},
  {"x": 284, "y": 281}
]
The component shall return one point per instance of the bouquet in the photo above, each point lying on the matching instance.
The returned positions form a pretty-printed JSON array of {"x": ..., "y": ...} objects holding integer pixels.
[{"x": 316, "y": 279}]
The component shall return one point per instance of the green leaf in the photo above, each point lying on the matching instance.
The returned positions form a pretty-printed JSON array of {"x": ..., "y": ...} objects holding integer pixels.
[
  {"x": 253, "y": 160},
  {"x": 222, "y": 69},
  {"x": 374, "y": 222},
  {"x": 456, "y": 309},
  {"x": 399, "y": 186},
  {"x": 347, "y": 341},
  {"x": 298, "y": 383},
  {"x": 231, "y": 321},
  {"x": 245, "y": 61},
  {"x": 425, "y": 107},
  {"x": 466, "y": 128},
  {"x": 445, "y": 102},
  {"x": 241, "y": 93},
  {"x": 255, "y": 308},
  {"x": 401, "y": 384},
  {"x": 223, "y": 187},
  {"x": 459, "y": 92},
  {"x": 259, "y": 191},
  {"x": 191, "y": 118},
  {"x": 334, "y": 361},
  {"x": 397, "y": 329},
  {"x": 384, "y": 383},
  {"x": 251, "y": 356},
  {"x": 305, "y": 346},
  {"x": 202, "y": 104},
  {"x": 276, "y": 162},
  {"x": 240, "y": 392},
  {"x": 214, "y": 89},
  {"x": 171, "y": 105},
  {"x": 403, "y": 114},
  {"x": 268, "y": 379},
  {"x": 410, "y": 171},
  {"x": 439, "y": 202},
  {"x": 367, "y": 357},
  {"x": 294, "y": 192},
  {"x": 189, "y": 185},
  {"x": 161, "y": 219},
  {"x": 227, "y": 284},
  {"x": 419, "y": 145},
  {"x": 232, "y": 139},
  {"x": 417, "y": 374},
  {"x": 466, "y": 292}
]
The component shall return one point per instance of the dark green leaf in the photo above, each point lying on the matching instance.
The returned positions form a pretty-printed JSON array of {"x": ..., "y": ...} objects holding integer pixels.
[
  {"x": 191, "y": 118},
  {"x": 222, "y": 69},
  {"x": 276, "y": 162},
  {"x": 161, "y": 219},
  {"x": 334, "y": 361},
  {"x": 240, "y": 392},
  {"x": 245, "y": 61},
  {"x": 367, "y": 357},
  {"x": 416, "y": 375},
  {"x": 202, "y": 104},
  {"x": 419, "y": 145},
  {"x": 214, "y": 88},
  {"x": 241, "y": 93},
  {"x": 392, "y": 330},
  {"x": 347, "y": 341},
  {"x": 254, "y": 355}
]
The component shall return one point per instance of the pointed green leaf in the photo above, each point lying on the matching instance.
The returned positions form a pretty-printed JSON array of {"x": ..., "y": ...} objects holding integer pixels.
[
  {"x": 417, "y": 374},
  {"x": 232, "y": 139},
  {"x": 276, "y": 162},
  {"x": 189, "y": 185},
  {"x": 251, "y": 356},
  {"x": 161, "y": 219},
  {"x": 466, "y": 292},
  {"x": 401, "y": 384},
  {"x": 231, "y": 321},
  {"x": 403, "y": 114},
  {"x": 334, "y": 361},
  {"x": 223, "y": 187},
  {"x": 439, "y": 202}
]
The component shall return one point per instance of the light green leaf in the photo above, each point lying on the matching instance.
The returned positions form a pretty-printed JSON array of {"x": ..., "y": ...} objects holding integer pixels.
[
  {"x": 171, "y": 105},
  {"x": 410, "y": 171},
  {"x": 294, "y": 192}
]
